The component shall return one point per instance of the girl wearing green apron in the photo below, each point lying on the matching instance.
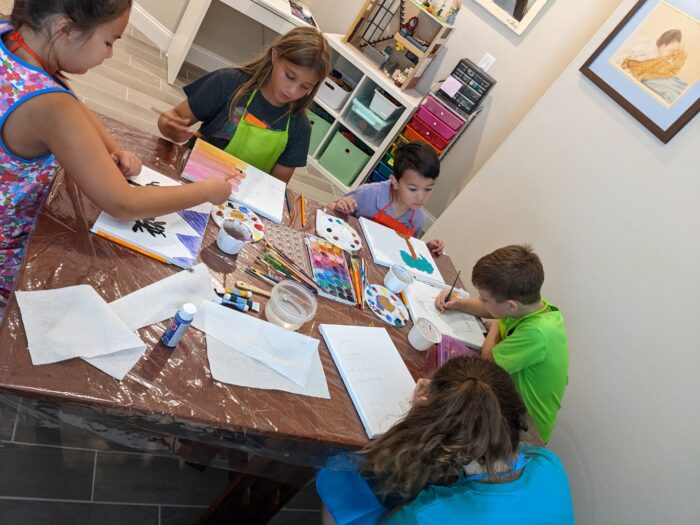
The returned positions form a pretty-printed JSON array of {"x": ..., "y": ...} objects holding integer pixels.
[{"x": 256, "y": 112}]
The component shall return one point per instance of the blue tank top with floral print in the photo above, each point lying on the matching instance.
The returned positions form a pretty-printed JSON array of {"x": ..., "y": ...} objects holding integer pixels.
[{"x": 24, "y": 183}]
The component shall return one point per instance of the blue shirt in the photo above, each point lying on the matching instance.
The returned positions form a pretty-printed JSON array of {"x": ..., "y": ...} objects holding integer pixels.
[
  {"x": 540, "y": 496},
  {"x": 374, "y": 196}
]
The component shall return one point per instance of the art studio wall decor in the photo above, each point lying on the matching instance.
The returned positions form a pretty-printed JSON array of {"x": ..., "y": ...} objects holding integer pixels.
[{"x": 650, "y": 64}]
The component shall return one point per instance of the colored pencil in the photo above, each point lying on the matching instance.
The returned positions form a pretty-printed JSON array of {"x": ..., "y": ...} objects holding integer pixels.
[{"x": 303, "y": 212}]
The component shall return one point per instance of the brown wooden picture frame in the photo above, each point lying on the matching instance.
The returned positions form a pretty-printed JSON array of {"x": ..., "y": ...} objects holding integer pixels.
[{"x": 665, "y": 135}]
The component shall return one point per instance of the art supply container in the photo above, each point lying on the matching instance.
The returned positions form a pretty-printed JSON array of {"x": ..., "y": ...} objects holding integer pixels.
[
  {"x": 423, "y": 335},
  {"x": 290, "y": 306},
  {"x": 233, "y": 236},
  {"x": 178, "y": 325},
  {"x": 398, "y": 278}
]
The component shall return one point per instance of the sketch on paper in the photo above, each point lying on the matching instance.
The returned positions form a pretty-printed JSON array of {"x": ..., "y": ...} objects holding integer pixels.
[
  {"x": 374, "y": 373},
  {"x": 262, "y": 193},
  {"x": 420, "y": 299},
  {"x": 662, "y": 54},
  {"x": 176, "y": 237}
]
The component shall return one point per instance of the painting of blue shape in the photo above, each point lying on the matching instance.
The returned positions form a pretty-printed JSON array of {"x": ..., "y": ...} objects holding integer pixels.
[{"x": 420, "y": 263}]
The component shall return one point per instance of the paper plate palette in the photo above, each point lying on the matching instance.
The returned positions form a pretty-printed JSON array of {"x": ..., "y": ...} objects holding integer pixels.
[
  {"x": 386, "y": 305},
  {"x": 232, "y": 210},
  {"x": 337, "y": 231}
]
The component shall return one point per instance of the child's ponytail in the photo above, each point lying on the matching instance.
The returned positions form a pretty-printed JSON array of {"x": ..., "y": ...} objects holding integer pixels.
[{"x": 473, "y": 413}]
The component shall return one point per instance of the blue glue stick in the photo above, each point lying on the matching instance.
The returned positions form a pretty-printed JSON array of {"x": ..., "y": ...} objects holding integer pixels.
[{"x": 178, "y": 325}]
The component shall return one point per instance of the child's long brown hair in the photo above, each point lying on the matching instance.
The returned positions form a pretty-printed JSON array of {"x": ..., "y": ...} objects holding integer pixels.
[
  {"x": 473, "y": 412},
  {"x": 303, "y": 47}
]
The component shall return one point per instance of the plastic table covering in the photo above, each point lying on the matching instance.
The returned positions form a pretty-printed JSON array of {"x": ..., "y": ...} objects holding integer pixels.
[{"x": 170, "y": 396}]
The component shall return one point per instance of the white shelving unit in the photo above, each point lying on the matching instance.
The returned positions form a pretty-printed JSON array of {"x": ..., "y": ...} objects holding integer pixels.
[{"x": 371, "y": 78}]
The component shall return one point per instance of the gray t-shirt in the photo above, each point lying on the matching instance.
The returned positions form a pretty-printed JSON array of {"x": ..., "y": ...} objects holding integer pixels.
[
  {"x": 210, "y": 97},
  {"x": 374, "y": 196}
]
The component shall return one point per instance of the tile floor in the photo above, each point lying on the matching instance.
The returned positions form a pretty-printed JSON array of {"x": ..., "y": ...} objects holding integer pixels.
[{"x": 56, "y": 473}]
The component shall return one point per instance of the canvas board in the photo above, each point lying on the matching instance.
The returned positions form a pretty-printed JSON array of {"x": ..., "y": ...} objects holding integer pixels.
[
  {"x": 388, "y": 247},
  {"x": 175, "y": 238},
  {"x": 379, "y": 384},
  {"x": 420, "y": 300},
  {"x": 262, "y": 193}
]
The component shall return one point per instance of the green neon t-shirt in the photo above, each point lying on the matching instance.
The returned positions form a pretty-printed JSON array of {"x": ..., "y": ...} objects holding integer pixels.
[{"x": 534, "y": 351}]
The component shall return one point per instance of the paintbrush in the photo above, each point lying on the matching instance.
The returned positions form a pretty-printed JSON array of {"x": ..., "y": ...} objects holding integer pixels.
[
  {"x": 194, "y": 132},
  {"x": 260, "y": 276},
  {"x": 447, "y": 297}
]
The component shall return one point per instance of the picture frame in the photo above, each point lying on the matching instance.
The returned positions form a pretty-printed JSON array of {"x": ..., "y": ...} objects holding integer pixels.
[
  {"x": 517, "y": 15},
  {"x": 650, "y": 65}
]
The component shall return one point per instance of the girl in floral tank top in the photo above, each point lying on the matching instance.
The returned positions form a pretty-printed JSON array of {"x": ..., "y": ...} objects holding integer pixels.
[{"x": 43, "y": 39}]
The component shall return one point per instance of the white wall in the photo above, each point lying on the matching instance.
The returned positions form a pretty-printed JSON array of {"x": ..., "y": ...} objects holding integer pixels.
[
  {"x": 167, "y": 12},
  {"x": 614, "y": 215}
]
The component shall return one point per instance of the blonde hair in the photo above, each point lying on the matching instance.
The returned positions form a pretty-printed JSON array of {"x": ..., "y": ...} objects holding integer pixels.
[
  {"x": 473, "y": 413},
  {"x": 302, "y": 46}
]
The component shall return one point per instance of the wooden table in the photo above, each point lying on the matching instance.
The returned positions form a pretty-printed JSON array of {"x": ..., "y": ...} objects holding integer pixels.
[{"x": 275, "y": 440}]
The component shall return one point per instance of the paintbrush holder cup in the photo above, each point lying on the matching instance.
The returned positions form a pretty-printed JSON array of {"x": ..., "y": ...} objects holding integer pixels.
[
  {"x": 233, "y": 236},
  {"x": 423, "y": 335},
  {"x": 398, "y": 278}
]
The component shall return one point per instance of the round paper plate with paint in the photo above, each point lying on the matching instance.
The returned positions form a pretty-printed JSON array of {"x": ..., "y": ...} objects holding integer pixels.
[
  {"x": 386, "y": 305},
  {"x": 233, "y": 210},
  {"x": 337, "y": 231}
]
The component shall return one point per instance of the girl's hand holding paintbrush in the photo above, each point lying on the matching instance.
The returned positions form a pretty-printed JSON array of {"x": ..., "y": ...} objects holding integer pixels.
[{"x": 175, "y": 127}]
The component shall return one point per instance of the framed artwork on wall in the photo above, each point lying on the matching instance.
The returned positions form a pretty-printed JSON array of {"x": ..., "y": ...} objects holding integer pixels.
[{"x": 650, "y": 64}]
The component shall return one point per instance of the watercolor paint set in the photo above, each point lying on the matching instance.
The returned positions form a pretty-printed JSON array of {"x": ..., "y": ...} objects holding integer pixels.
[{"x": 330, "y": 270}]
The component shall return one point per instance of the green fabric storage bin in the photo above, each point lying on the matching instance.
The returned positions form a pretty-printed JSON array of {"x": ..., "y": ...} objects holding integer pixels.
[
  {"x": 343, "y": 159},
  {"x": 319, "y": 128}
]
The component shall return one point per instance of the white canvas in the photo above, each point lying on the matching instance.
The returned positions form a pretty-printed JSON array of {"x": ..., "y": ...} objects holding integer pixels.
[
  {"x": 379, "y": 384},
  {"x": 388, "y": 248},
  {"x": 175, "y": 238},
  {"x": 262, "y": 193},
  {"x": 420, "y": 299}
]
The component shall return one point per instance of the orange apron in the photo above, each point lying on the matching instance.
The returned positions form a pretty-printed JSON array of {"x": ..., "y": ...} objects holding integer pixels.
[{"x": 388, "y": 221}]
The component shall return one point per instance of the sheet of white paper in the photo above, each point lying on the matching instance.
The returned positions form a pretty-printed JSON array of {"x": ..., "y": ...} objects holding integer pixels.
[
  {"x": 72, "y": 322},
  {"x": 379, "y": 384},
  {"x": 160, "y": 300},
  {"x": 450, "y": 86},
  {"x": 286, "y": 352},
  {"x": 117, "y": 364},
  {"x": 388, "y": 248},
  {"x": 420, "y": 299},
  {"x": 233, "y": 367}
]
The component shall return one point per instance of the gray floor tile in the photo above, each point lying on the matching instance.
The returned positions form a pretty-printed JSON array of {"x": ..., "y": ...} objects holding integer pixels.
[
  {"x": 28, "y": 512},
  {"x": 296, "y": 517},
  {"x": 8, "y": 413},
  {"x": 152, "y": 479},
  {"x": 180, "y": 515},
  {"x": 306, "y": 499},
  {"x": 45, "y": 472}
]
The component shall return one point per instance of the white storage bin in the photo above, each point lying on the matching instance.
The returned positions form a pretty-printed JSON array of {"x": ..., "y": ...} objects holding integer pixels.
[
  {"x": 332, "y": 94},
  {"x": 382, "y": 106}
]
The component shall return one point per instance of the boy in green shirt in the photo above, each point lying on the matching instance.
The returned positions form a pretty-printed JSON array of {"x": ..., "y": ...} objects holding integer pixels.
[{"x": 529, "y": 339}]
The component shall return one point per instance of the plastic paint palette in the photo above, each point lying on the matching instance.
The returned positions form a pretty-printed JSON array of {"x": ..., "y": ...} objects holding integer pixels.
[
  {"x": 330, "y": 270},
  {"x": 386, "y": 305},
  {"x": 337, "y": 231},
  {"x": 232, "y": 210}
]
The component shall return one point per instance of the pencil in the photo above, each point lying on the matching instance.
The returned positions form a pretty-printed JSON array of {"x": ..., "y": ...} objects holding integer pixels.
[
  {"x": 303, "y": 212},
  {"x": 442, "y": 310},
  {"x": 289, "y": 208}
]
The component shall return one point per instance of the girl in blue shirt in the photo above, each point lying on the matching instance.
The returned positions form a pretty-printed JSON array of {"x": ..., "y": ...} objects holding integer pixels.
[{"x": 454, "y": 458}]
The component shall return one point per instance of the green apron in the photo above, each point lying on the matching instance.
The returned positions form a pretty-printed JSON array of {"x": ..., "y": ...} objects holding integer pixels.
[{"x": 257, "y": 146}]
